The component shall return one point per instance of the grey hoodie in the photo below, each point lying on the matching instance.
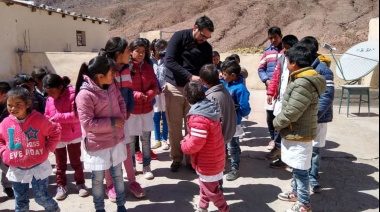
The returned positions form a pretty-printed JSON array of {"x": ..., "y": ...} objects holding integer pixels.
[
  {"x": 205, "y": 108},
  {"x": 220, "y": 95}
]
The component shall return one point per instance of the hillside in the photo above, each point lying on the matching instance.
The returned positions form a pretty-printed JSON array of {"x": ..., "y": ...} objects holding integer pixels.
[{"x": 238, "y": 23}]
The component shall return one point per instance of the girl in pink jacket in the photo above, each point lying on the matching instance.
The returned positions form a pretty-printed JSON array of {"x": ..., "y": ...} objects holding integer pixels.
[
  {"x": 102, "y": 113},
  {"x": 60, "y": 109},
  {"x": 26, "y": 138}
]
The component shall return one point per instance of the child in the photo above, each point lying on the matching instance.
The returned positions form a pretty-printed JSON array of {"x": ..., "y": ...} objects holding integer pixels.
[
  {"x": 102, "y": 113},
  {"x": 204, "y": 142},
  {"x": 60, "y": 109},
  {"x": 158, "y": 48},
  {"x": 145, "y": 88},
  {"x": 117, "y": 49},
  {"x": 38, "y": 103},
  {"x": 216, "y": 60},
  {"x": 297, "y": 123},
  {"x": 7, "y": 185},
  {"x": 26, "y": 138},
  {"x": 275, "y": 94},
  {"x": 219, "y": 94},
  {"x": 325, "y": 111},
  {"x": 233, "y": 82},
  {"x": 38, "y": 75}
]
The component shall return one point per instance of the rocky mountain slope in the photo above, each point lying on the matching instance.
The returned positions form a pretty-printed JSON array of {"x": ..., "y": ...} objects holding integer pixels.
[{"x": 238, "y": 23}]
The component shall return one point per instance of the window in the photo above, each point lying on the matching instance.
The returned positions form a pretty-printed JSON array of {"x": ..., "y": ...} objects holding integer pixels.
[{"x": 81, "y": 38}]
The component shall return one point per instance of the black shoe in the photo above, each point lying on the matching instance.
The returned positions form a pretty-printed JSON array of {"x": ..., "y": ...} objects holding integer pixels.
[
  {"x": 189, "y": 166},
  {"x": 175, "y": 166},
  {"x": 121, "y": 208},
  {"x": 9, "y": 192},
  {"x": 278, "y": 164}
]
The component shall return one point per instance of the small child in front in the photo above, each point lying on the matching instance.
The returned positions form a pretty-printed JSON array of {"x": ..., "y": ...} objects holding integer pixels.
[
  {"x": 26, "y": 138},
  {"x": 297, "y": 123},
  {"x": 205, "y": 143}
]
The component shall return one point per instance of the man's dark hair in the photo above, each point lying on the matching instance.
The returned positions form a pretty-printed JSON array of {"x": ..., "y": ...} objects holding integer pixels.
[
  {"x": 215, "y": 53},
  {"x": 290, "y": 40},
  {"x": 209, "y": 74},
  {"x": 205, "y": 22},
  {"x": 194, "y": 92},
  {"x": 274, "y": 30},
  {"x": 300, "y": 55},
  {"x": 231, "y": 67},
  {"x": 312, "y": 44}
]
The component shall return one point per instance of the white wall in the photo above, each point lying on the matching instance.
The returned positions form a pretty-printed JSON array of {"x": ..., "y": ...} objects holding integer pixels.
[{"x": 42, "y": 32}]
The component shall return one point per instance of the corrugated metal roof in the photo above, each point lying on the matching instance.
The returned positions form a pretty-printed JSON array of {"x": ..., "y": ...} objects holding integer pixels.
[{"x": 32, "y": 5}]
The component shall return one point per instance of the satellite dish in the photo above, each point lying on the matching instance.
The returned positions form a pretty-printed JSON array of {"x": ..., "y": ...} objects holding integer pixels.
[{"x": 358, "y": 61}]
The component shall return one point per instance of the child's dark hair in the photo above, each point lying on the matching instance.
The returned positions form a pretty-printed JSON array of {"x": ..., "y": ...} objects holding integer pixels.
[
  {"x": 236, "y": 56},
  {"x": 114, "y": 47},
  {"x": 231, "y": 67},
  {"x": 39, "y": 73},
  {"x": 54, "y": 81},
  {"x": 290, "y": 40},
  {"x": 23, "y": 94},
  {"x": 4, "y": 87},
  {"x": 22, "y": 78},
  {"x": 300, "y": 55},
  {"x": 194, "y": 92},
  {"x": 312, "y": 44},
  {"x": 158, "y": 44},
  {"x": 97, "y": 65},
  {"x": 139, "y": 42},
  {"x": 209, "y": 74},
  {"x": 215, "y": 54},
  {"x": 274, "y": 30},
  {"x": 204, "y": 22}
]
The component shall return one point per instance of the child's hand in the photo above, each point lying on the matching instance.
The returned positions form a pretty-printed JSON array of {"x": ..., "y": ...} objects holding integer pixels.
[
  {"x": 269, "y": 99},
  {"x": 119, "y": 123},
  {"x": 144, "y": 98},
  {"x": 181, "y": 142},
  {"x": 128, "y": 115}
]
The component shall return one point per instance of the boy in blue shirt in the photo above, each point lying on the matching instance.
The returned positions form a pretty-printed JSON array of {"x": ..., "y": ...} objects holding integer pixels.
[{"x": 234, "y": 83}]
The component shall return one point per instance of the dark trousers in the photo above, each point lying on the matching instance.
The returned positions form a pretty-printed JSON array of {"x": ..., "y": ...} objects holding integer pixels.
[
  {"x": 74, "y": 152},
  {"x": 270, "y": 118}
]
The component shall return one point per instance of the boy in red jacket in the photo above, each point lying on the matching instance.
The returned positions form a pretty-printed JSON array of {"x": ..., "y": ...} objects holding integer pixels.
[{"x": 205, "y": 144}]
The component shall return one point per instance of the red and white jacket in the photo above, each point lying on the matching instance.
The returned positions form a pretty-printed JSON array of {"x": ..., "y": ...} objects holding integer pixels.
[
  {"x": 204, "y": 141},
  {"x": 27, "y": 144}
]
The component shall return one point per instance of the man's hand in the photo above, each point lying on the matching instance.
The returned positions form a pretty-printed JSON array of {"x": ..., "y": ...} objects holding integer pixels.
[
  {"x": 269, "y": 99},
  {"x": 194, "y": 78}
]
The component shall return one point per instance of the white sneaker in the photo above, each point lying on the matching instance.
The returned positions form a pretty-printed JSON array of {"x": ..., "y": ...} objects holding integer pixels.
[
  {"x": 125, "y": 176},
  {"x": 165, "y": 145},
  {"x": 148, "y": 173}
]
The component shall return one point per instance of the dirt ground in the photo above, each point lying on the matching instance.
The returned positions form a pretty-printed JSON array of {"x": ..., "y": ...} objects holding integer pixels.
[{"x": 349, "y": 172}]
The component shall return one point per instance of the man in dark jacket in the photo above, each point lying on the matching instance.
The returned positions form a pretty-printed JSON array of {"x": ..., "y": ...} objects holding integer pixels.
[{"x": 187, "y": 51}]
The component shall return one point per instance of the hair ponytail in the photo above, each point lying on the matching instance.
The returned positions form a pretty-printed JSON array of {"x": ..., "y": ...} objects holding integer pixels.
[{"x": 82, "y": 71}]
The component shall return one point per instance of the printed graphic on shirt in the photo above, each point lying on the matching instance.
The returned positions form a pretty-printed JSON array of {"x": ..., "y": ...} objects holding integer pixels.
[
  {"x": 31, "y": 133},
  {"x": 31, "y": 139},
  {"x": 12, "y": 144}
]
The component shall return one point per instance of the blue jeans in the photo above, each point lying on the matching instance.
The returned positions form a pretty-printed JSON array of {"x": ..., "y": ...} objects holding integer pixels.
[
  {"x": 157, "y": 128},
  {"x": 315, "y": 164},
  {"x": 235, "y": 151},
  {"x": 39, "y": 187},
  {"x": 145, "y": 144},
  {"x": 277, "y": 140},
  {"x": 300, "y": 185},
  {"x": 98, "y": 187}
]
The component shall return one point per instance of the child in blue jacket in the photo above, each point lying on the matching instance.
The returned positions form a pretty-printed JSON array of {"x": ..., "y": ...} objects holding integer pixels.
[{"x": 234, "y": 83}]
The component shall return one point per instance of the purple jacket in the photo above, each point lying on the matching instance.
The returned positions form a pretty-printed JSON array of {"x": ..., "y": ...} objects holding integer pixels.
[
  {"x": 97, "y": 109},
  {"x": 62, "y": 110}
]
